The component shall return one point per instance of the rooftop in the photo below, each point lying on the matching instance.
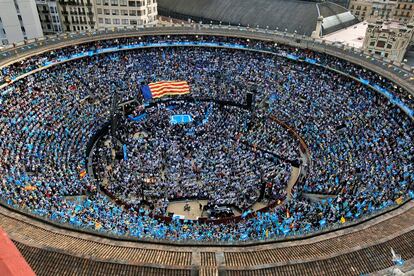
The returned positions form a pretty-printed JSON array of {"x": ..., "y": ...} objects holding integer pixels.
[
  {"x": 289, "y": 15},
  {"x": 352, "y": 36}
]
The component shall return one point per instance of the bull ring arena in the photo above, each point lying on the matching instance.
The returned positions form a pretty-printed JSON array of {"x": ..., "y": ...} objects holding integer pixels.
[{"x": 271, "y": 154}]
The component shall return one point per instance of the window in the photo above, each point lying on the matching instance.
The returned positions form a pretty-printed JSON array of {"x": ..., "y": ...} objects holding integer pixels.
[
  {"x": 380, "y": 44},
  {"x": 99, "y": 11},
  {"x": 131, "y": 3},
  {"x": 124, "y": 12},
  {"x": 133, "y": 22},
  {"x": 123, "y": 3},
  {"x": 115, "y": 12},
  {"x": 133, "y": 13},
  {"x": 107, "y": 21},
  {"x": 98, "y": 2},
  {"x": 116, "y": 21},
  {"x": 106, "y": 2},
  {"x": 114, "y": 2},
  {"x": 106, "y": 12},
  {"x": 100, "y": 20},
  {"x": 125, "y": 22}
]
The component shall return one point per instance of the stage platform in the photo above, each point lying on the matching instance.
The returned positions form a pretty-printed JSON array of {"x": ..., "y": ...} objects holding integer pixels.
[{"x": 181, "y": 119}]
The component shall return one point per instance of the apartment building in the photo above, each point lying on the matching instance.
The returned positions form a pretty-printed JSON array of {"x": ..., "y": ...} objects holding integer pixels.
[
  {"x": 388, "y": 39},
  {"x": 372, "y": 10},
  {"x": 82, "y": 15},
  {"x": 49, "y": 16},
  {"x": 19, "y": 20},
  {"x": 77, "y": 15},
  {"x": 119, "y": 13},
  {"x": 404, "y": 11}
]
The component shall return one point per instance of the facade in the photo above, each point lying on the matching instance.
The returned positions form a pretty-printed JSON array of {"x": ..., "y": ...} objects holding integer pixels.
[
  {"x": 77, "y": 15},
  {"x": 19, "y": 20},
  {"x": 404, "y": 11},
  {"x": 388, "y": 39},
  {"x": 372, "y": 10},
  {"x": 120, "y": 13},
  {"x": 49, "y": 16},
  {"x": 83, "y": 15}
]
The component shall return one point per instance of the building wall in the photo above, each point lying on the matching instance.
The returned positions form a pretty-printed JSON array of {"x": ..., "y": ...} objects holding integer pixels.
[
  {"x": 389, "y": 39},
  {"x": 372, "y": 10},
  {"x": 404, "y": 11},
  {"x": 49, "y": 16},
  {"x": 19, "y": 21},
  {"x": 119, "y": 13},
  {"x": 77, "y": 15},
  {"x": 81, "y": 15}
]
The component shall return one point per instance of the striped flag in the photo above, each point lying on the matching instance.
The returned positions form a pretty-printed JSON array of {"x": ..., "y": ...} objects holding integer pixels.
[{"x": 168, "y": 88}]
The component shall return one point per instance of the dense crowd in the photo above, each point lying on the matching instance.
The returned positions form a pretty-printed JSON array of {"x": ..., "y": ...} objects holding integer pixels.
[
  {"x": 361, "y": 145},
  {"x": 201, "y": 159}
]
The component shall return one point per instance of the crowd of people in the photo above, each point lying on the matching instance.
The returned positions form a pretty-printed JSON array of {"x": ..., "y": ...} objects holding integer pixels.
[
  {"x": 202, "y": 159},
  {"x": 361, "y": 145}
]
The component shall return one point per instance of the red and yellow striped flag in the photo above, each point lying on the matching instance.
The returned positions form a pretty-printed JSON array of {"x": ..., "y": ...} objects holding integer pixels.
[{"x": 164, "y": 88}]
